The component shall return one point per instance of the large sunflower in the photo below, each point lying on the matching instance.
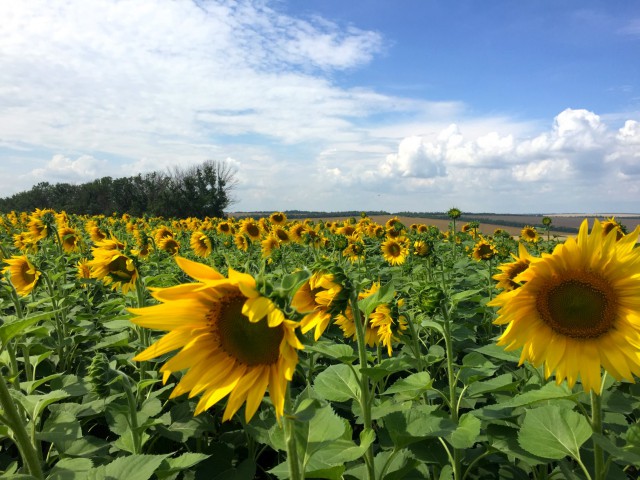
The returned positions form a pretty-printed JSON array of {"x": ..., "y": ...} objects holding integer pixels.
[
  {"x": 23, "y": 275},
  {"x": 232, "y": 340},
  {"x": 578, "y": 309}
]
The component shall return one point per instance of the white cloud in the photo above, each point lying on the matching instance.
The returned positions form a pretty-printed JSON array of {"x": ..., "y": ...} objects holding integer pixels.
[{"x": 63, "y": 169}]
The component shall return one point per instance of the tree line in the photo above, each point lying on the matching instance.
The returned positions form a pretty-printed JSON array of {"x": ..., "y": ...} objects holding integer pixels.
[{"x": 196, "y": 191}]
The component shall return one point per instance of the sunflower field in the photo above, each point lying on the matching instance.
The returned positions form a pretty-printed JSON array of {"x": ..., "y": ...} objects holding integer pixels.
[{"x": 221, "y": 348}]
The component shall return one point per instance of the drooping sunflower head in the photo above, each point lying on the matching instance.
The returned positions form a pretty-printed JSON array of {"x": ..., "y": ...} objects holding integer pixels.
[
  {"x": 529, "y": 234},
  {"x": 200, "y": 244},
  {"x": 241, "y": 242},
  {"x": 38, "y": 229},
  {"x": 422, "y": 248},
  {"x": 69, "y": 238},
  {"x": 169, "y": 245},
  {"x": 395, "y": 250},
  {"x": 316, "y": 299},
  {"x": 22, "y": 274},
  {"x": 232, "y": 340},
  {"x": 577, "y": 309},
  {"x": 162, "y": 232},
  {"x": 114, "y": 268},
  {"x": 354, "y": 251},
  {"x": 269, "y": 244}
]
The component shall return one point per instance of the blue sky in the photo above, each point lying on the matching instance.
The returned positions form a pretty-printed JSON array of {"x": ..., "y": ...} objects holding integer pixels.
[{"x": 414, "y": 105}]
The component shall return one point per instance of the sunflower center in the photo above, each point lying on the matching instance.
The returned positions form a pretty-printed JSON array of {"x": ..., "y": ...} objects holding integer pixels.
[
  {"x": 249, "y": 343},
  {"x": 394, "y": 249},
  {"x": 27, "y": 273},
  {"x": 579, "y": 307}
]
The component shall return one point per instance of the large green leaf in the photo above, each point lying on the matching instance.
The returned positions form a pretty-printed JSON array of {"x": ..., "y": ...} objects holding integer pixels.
[
  {"x": 554, "y": 432},
  {"x": 337, "y": 383},
  {"x": 424, "y": 421},
  {"x": 550, "y": 391},
  {"x": 132, "y": 467},
  {"x": 466, "y": 433},
  {"x": 411, "y": 386},
  {"x": 383, "y": 295},
  {"x": 10, "y": 330}
]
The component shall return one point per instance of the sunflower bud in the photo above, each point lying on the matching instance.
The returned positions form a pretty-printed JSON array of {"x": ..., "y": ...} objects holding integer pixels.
[{"x": 100, "y": 375}]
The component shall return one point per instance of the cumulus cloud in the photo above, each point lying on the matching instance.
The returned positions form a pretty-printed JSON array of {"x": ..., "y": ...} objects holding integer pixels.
[{"x": 63, "y": 169}]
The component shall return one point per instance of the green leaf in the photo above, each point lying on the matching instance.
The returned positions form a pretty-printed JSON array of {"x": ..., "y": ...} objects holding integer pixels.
[
  {"x": 182, "y": 462},
  {"x": 424, "y": 421},
  {"x": 338, "y": 351},
  {"x": 345, "y": 450},
  {"x": 10, "y": 330},
  {"x": 464, "y": 295},
  {"x": 337, "y": 383},
  {"x": 554, "y": 432},
  {"x": 132, "y": 467},
  {"x": 35, "y": 404},
  {"x": 71, "y": 469},
  {"x": 467, "y": 432},
  {"x": 411, "y": 386},
  {"x": 118, "y": 340},
  {"x": 505, "y": 439},
  {"x": 60, "y": 427},
  {"x": 495, "y": 351},
  {"x": 550, "y": 391},
  {"x": 500, "y": 383},
  {"x": 383, "y": 295}
]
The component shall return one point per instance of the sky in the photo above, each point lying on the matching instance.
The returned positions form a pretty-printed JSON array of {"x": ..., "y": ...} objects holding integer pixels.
[{"x": 330, "y": 105}]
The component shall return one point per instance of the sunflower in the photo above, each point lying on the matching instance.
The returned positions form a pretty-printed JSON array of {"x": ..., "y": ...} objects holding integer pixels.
[
  {"x": 529, "y": 234},
  {"x": 84, "y": 270},
  {"x": 225, "y": 228},
  {"x": 169, "y": 245},
  {"x": 69, "y": 238},
  {"x": 577, "y": 309},
  {"x": 161, "y": 233},
  {"x": 380, "y": 327},
  {"x": 354, "y": 250},
  {"x": 241, "y": 242},
  {"x": 200, "y": 244},
  {"x": 281, "y": 234},
  {"x": 38, "y": 229},
  {"x": 22, "y": 241},
  {"x": 113, "y": 267},
  {"x": 251, "y": 229},
  {"x": 395, "y": 250},
  {"x": 23, "y": 275},
  {"x": 512, "y": 269},
  {"x": 422, "y": 248},
  {"x": 612, "y": 224},
  {"x": 232, "y": 340},
  {"x": 483, "y": 250},
  {"x": 296, "y": 231},
  {"x": 278, "y": 218},
  {"x": 268, "y": 245},
  {"x": 315, "y": 298}
]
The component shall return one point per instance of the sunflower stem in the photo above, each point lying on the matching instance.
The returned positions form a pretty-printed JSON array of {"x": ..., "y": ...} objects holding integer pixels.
[
  {"x": 21, "y": 437},
  {"x": 596, "y": 425},
  {"x": 452, "y": 379},
  {"x": 365, "y": 402},
  {"x": 289, "y": 434}
]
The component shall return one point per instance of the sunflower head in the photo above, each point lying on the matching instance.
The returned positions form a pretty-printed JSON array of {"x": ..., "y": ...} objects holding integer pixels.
[
  {"x": 232, "y": 340},
  {"x": 454, "y": 213},
  {"x": 114, "y": 268},
  {"x": 395, "y": 250},
  {"x": 169, "y": 245},
  {"x": 69, "y": 238},
  {"x": 278, "y": 218},
  {"x": 22, "y": 274},
  {"x": 484, "y": 250},
  {"x": 200, "y": 244},
  {"x": 510, "y": 270},
  {"x": 529, "y": 234},
  {"x": 576, "y": 310}
]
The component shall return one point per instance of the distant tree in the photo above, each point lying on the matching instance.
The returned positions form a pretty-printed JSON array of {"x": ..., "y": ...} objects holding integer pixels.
[{"x": 196, "y": 191}]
